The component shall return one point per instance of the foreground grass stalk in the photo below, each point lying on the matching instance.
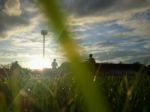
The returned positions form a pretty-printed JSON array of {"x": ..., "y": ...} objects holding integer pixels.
[{"x": 94, "y": 99}]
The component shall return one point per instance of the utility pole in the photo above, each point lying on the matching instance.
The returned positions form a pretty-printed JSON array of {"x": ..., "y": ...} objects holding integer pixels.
[{"x": 44, "y": 33}]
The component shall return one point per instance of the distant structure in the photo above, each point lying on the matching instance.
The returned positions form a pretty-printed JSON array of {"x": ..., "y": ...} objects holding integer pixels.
[
  {"x": 113, "y": 69},
  {"x": 92, "y": 63},
  {"x": 121, "y": 69},
  {"x": 54, "y": 65},
  {"x": 44, "y": 33}
]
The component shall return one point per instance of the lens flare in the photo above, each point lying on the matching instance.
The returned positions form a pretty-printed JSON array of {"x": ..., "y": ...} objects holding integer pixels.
[{"x": 38, "y": 63}]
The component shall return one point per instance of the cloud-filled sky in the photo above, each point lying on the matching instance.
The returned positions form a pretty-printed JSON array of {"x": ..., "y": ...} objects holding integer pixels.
[{"x": 113, "y": 30}]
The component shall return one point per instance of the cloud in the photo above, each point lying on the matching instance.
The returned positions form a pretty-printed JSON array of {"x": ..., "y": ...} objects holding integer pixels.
[
  {"x": 91, "y": 7},
  {"x": 132, "y": 30},
  {"x": 113, "y": 30},
  {"x": 12, "y": 8},
  {"x": 143, "y": 15},
  {"x": 128, "y": 56},
  {"x": 139, "y": 22},
  {"x": 83, "y": 7},
  {"x": 16, "y": 16},
  {"x": 2, "y": 3}
]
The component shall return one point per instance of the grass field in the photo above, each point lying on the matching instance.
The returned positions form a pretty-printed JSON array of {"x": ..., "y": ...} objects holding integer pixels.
[{"x": 26, "y": 91}]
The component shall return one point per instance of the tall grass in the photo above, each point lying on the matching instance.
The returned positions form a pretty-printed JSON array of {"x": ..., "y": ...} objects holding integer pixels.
[{"x": 62, "y": 94}]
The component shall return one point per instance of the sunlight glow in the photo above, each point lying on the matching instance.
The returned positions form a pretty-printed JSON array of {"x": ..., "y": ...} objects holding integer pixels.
[{"x": 38, "y": 63}]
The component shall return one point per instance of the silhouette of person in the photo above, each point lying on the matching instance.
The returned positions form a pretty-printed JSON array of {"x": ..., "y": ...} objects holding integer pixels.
[
  {"x": 54, "y": 65},
  {"x": 92, "y": 63}
]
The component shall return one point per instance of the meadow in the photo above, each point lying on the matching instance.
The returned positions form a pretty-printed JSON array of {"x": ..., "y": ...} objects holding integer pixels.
[{"x": 28, "y": 91}]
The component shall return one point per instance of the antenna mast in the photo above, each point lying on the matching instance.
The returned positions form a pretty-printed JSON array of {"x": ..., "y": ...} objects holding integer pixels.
[{"x": 44, "y": 33}]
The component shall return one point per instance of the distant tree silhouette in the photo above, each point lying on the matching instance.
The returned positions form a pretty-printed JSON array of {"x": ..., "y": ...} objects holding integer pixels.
[
  {"x": 15, "y": 65},
  {"x": 16, "y": 70}
]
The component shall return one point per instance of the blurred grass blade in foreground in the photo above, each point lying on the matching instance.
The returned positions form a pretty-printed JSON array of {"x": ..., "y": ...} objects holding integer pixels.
[{"x": 94, "y": 99}]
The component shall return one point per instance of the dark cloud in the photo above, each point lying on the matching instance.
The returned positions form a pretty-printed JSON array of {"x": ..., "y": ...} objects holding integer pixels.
[
  {"x": 129, "y": 56},
  {"x": 14, "y": 14},
  {"x": 145, "y": 15},
  {"x": 8, "y": 22},
  {"x": 2, "y": 3},
  {"x": 86, "y": 7}
]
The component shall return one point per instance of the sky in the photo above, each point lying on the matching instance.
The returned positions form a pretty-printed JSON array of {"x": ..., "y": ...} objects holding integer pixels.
[{"x": 112, "y": 30}]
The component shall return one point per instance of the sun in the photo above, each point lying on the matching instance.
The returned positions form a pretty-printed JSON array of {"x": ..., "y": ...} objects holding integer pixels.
[{"x": 38, "y": 63}]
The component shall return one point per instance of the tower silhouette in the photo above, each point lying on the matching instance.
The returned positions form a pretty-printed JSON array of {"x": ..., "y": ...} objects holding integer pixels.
[{"x": 44, "y": 33}]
